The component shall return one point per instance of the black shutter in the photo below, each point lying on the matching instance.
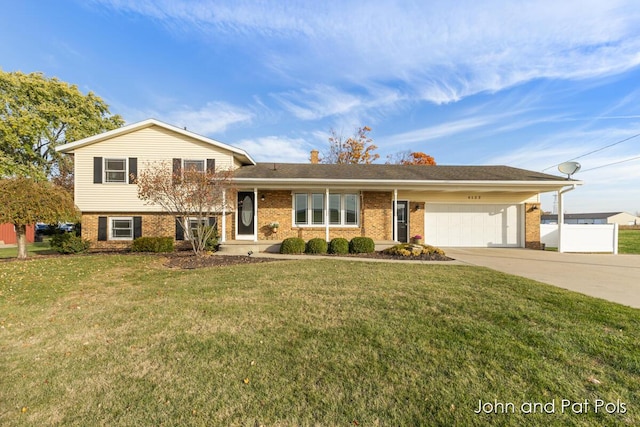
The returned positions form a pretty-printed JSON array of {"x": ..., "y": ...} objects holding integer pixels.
[
  {"x": 102, "y": 228},
  {"x": 177, "y": 170},
  {"x": 179, "y": 229},
  {"x": 137, "y": 227},
  {"x": 97, "y": 170},
  {"x": 133, "y": 169},
  {"x": 213, "y": 221},
  {"x": 211, "y": 166}
]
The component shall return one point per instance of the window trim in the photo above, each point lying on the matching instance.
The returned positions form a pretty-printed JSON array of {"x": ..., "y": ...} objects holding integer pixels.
[
  {"x": 120, "y": 218},
  {"x": 326, "y": 216},
  {"x": 187, "y": 223},
  {"x": 105, "y": 171},
  {"x": 203, "y": 161}
]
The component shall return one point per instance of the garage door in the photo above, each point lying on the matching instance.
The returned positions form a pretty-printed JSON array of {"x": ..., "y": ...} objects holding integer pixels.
[{"x": 472, "y": 225}]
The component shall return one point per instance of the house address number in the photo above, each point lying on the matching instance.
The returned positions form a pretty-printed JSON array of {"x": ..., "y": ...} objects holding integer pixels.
[{"x": 473, "y": 197}]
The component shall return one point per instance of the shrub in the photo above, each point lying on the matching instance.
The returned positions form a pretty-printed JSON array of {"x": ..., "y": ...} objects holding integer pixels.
[
  {"x": 408, "y": 249},
  {"x": 361, "y": 245},
  {"x": 211, "y": 244},
  {"x": 292, "y": 245},
  {"x": 316, "y": 246},
  {"x": 153, "y": 244},
  {"x": 339, "y": 246},
  {"x": 68, "y": 243}
]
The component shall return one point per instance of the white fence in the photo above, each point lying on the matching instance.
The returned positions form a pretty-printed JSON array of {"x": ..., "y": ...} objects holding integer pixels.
[{"x": 582, "y": 237}]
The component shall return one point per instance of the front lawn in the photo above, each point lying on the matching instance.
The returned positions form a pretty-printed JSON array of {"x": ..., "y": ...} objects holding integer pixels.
[
  {"x": 32, "y": 249},
  {"x": 629, "y": 241},
  {"x": 122, "y": 340}
]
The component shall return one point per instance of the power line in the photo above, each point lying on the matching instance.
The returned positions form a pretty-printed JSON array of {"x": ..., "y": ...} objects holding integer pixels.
[
  {"x": 610, "y": 164},
  {"x": 595, "y": 151}
]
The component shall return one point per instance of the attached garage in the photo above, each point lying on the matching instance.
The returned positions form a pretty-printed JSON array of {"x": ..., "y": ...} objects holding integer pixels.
[{"x": 473, "y": 225}]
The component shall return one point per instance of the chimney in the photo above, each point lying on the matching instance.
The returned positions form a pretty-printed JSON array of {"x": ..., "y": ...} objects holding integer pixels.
[{"x": 314, "y": 157}]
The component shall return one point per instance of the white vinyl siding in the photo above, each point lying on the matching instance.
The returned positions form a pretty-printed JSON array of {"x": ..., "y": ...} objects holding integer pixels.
[{"x": 153, "y": 144}]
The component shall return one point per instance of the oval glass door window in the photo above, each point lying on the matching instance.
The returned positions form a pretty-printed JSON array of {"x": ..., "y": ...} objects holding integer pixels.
[{"x": 247, "y": 211}]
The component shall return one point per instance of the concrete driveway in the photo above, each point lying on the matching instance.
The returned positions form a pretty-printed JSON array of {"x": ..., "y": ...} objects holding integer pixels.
[{"x": 612, "y": 277}]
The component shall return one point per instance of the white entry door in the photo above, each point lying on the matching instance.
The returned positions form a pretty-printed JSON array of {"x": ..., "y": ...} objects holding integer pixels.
[{"x": 464, "y": 225}]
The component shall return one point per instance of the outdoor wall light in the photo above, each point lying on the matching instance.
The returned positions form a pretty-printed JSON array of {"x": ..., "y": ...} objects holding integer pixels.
[{"x": 262, "y": 198}]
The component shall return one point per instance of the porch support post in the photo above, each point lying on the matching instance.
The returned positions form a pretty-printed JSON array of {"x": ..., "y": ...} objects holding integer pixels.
[
  {"x": 560, "y": 220},
  {"x": 255, "y": 214},
  {"x": 395, "y": 215},
  {"x": 223, "y": 237},
  {"x": 326, "y": 214}
]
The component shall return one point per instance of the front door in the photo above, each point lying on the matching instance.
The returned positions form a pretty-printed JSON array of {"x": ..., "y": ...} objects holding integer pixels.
[
  {"x": 245, "y": 214},
  {"x": 402, "y": 221}
]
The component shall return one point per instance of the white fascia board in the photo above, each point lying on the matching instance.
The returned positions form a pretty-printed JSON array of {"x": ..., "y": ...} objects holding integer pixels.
[
  {"x": 66, "y": 148},
  {"x": 391, "y": 184}
]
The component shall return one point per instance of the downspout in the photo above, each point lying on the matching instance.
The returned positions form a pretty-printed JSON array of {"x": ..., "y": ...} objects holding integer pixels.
[
  {"x": 561, "y": 214},
  {"x": 223, "y": 237},
  {"x": 395, "y": 215}
]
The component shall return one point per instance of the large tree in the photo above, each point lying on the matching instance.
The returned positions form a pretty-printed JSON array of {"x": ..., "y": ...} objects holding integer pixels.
[
  {"x": 411, "y": 158},
  {"x": 197, "y": 194},
  {"x": 37, "y": 114},
  {"x": 26, "y": 201},
  {"x": 353, "y": 150}
]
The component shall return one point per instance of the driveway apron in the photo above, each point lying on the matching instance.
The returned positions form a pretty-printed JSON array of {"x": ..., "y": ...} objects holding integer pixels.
[{"x": 612, "y": 277}]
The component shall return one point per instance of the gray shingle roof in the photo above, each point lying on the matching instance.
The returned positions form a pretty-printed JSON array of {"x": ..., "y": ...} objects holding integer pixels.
[{"x": 390, "y": 172}]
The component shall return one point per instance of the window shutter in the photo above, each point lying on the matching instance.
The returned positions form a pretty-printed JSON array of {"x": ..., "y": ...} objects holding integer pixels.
[
  {"x": 179, "y": 229},
  {"x": 97, "y": 170},
  {"x": 177, "y": 170},
  {"x": 102, "y": 228},
  {"x": 213, "y": 221},
  {"x": 211, "y": 166},
  {"x": 133, "y": 169},
  {"x": 137, "y": 227}
]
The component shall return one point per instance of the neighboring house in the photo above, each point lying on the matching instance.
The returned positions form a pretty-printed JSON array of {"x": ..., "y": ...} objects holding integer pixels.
[
  {"x": 8, "y": 234},
  {"x": 620, "y": 218},
  {"x": 482, "y": 206}
]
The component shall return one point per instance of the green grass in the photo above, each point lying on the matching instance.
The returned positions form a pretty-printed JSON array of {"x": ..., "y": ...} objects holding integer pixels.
[
  {"x": 122, "y": 340},
  {"x": 629, "y": 241},
  {"x": 32, "y": 249}
]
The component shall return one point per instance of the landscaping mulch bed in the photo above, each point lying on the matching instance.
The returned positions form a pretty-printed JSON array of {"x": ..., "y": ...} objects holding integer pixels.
[{"x": 188, "y": 261}]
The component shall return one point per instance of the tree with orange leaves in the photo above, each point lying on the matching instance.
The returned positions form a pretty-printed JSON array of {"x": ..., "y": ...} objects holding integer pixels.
[
  {"x": 411, "y": 158},
  {"x": 357, "y": 149}
]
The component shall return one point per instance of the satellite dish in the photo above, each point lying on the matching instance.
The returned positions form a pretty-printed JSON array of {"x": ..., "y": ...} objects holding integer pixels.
[{"x": 569, "y": 168}]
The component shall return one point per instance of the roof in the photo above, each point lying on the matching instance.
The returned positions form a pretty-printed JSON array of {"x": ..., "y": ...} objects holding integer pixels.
[
  {"x": 381, "y": 174},
  {"x": 239, "y": 153},
  {"x": 597, "y": 215}
]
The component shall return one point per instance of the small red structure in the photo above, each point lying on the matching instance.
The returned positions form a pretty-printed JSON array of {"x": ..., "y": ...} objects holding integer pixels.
[{"x": 8, "y": 234}]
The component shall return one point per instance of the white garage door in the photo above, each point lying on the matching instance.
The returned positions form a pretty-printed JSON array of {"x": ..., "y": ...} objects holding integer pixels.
[{"x": 472, "y": 225}]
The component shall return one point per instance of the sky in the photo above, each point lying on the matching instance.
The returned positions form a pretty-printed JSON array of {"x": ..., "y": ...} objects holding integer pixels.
[{"x": 528, "y": 84}]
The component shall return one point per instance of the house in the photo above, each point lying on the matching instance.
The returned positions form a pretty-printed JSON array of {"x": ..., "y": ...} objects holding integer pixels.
[
  {"x": 620, "y": 218},
  {"x": 8, "y": 234},
  {"x": 486, "y": 206}
]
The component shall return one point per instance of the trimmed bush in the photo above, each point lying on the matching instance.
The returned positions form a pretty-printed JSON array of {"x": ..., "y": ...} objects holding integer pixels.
[
  {"x": 408, "y": 250},
  {"x": 292, "y": 245},
  {"x": 153, "y": 244},
  {"x": 361, "y": 245},
  {"x": 339, "y": 246},
  {"x": 316, "y": 246},
  {"x": 68, "y": 243}
]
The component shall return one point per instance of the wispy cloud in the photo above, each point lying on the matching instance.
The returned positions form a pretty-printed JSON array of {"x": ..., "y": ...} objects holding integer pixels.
[
  {"x": 276, "y": 149},
  {"x": 473, "y": 48}
]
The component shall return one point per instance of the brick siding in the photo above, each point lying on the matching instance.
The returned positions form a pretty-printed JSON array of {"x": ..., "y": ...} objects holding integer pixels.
[{"x": 532, "y": 226}]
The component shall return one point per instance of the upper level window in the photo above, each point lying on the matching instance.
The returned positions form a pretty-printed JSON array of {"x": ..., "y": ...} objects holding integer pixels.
[
  {"x": 115, "y": 170},
  {"x": 193, "y": 165}
]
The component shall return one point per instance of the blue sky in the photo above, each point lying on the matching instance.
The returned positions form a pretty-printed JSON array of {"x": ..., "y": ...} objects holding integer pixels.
[{"x": 527, "y": 84}]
